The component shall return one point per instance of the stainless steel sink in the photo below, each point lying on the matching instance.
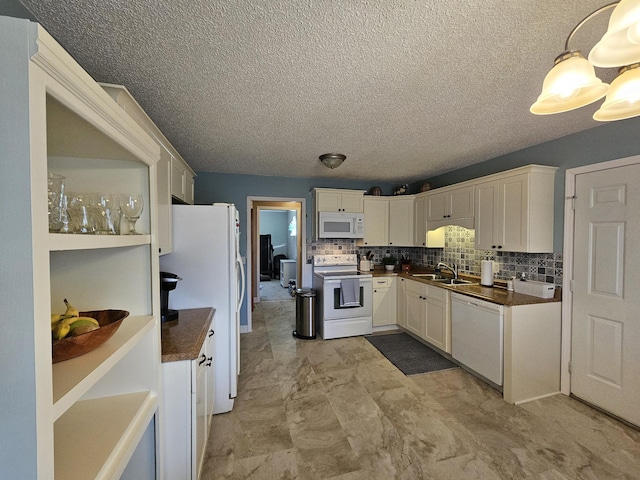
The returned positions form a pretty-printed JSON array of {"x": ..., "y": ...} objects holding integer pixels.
[
  {"x": 453, "y": 281},
  {"x": 428, "y": 276}
]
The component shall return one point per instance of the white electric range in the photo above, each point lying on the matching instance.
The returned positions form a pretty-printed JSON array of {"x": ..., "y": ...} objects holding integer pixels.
[{"x": 336, "y": 318}]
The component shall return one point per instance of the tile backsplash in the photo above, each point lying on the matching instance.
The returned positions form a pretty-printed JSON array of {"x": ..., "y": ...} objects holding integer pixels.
[{"x": 459, "y": 249}]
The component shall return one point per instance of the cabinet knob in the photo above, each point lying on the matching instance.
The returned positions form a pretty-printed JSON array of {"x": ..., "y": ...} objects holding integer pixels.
[
  {"x": 211, "y": 332},
  {"x": 159, "y": 250},
  {"x": 493, "y": 246},
  {"x": 202, "y": 359}
]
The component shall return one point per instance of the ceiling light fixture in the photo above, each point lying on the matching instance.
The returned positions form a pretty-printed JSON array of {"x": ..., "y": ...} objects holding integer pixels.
[
  {"x": 332, "y": 160},
  {"x": 572, "y": 82}
]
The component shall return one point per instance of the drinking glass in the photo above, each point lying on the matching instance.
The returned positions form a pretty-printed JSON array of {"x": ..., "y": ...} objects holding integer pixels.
[
  {"x": 82, "y": 213},
  {"x": 131, "y": 207},
  {"x": 108, "y": 221},
  {"x": 55, "y": 190}
]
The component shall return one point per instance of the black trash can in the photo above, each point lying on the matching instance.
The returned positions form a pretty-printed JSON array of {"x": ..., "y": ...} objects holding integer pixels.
[{"x": 305, "y": 314}]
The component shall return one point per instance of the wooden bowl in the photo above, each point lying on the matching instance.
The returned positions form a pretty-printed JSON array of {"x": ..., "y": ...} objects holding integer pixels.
[{"x": 72, "y": 347}]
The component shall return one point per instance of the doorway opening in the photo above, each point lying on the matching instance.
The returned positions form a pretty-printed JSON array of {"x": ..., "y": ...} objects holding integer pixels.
[{"x": 277, "y": 248}]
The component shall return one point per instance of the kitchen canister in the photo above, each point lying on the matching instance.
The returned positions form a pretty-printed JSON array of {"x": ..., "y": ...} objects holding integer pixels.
[{"x": 486, "y": 273}]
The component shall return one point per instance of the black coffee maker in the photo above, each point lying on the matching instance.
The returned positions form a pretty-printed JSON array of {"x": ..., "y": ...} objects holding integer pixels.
[{"x": 168, "y": 282}]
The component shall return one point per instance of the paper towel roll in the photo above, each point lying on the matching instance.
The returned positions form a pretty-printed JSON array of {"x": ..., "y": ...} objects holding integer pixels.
[{"x": 486, "y": 273}]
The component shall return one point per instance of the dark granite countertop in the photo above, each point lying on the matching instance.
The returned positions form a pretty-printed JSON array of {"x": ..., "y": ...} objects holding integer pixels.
[
  {"x": 182, "y": 339},
  {"x": 496, "y": 294}
]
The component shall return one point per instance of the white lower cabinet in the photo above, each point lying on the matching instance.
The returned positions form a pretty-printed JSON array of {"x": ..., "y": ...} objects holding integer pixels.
[
  {"x": 532, "y": 347},
  {"x": 186, "y": 409},
  {"x": 416, "y": 311},
  {"x": 427, "y": 314},
  {"x": 438, "y": 328},
  {"x": 401, "y": 302},
  {"x": 384, "y": 301}
]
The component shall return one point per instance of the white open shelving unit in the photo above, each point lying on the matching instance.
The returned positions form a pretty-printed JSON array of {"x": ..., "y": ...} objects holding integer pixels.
[{"x": 93, "y": 416}]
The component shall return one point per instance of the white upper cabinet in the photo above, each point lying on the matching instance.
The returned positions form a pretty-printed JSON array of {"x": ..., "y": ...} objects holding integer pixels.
[
  {"x": 401, "y": 221},
  {"x": 336, "y": 200},
  {"x": 514, "y": 210},
  {"x": 182, "y": 180},
  {"x": 421, "y": 236},
  {"x": 376, "y": 221},
  {"x": 388, "y": 221},
  {"x": 450, "y": 206},
  {"x": 57, "y": 119}
]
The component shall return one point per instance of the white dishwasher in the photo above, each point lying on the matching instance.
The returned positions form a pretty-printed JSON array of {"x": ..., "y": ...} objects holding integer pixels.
[{"x": 477, "y": 335}]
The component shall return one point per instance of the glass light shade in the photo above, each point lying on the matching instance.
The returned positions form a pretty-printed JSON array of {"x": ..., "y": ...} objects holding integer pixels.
[
  {"x": 623, "y": 99},
  {"x": 332, "y": 160},
  {"x": 571, "y": 84},
  {"x": 621, "y": 44}
]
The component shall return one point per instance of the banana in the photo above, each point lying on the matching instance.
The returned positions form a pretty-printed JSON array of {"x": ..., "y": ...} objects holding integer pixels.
[
  {"x": 61, "y": 330},
  {"x": 58, "y": 317},
  {"x": 71, "y": 311},
  {"x": 71, "y": 320}
]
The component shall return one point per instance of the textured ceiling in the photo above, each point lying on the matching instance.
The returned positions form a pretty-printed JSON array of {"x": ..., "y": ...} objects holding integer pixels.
[{"x": 406, "y": 89}]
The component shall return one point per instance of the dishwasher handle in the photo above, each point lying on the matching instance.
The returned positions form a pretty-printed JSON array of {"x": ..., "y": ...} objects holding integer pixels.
[{"x": 476, "y": 302}]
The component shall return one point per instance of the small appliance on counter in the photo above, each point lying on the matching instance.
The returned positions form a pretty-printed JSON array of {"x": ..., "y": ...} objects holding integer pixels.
[{"x": 168, "y": 282}]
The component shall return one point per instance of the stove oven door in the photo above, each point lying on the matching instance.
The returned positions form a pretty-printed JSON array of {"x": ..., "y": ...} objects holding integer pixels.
[{"x": 331, "y": 300}]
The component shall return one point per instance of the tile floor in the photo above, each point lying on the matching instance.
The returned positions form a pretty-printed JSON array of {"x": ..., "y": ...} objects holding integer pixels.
[
  {"x": 313, "y": 409},
  {"x": 272, "y": 290}
]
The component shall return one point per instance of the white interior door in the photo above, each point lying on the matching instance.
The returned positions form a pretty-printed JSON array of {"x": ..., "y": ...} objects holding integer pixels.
[{"x": 605, "y": 346}]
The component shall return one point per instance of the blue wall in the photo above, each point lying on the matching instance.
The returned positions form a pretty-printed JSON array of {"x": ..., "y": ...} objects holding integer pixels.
[{"x": 606, "y": 142}]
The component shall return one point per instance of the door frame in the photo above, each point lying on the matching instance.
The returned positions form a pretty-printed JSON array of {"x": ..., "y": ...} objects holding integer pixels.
[
  {"x": 253, "y": 231},
  {"x": 567, "y": 258}
]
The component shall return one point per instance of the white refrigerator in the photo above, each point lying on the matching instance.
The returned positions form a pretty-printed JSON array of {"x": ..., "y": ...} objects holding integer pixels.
[{"x": 206, "y": 255}]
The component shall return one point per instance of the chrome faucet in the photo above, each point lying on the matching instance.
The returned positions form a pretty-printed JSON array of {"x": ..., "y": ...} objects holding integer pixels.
[{"x": 454, "y": 270}]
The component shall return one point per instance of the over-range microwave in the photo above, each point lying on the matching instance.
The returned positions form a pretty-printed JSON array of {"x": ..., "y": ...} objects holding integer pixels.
[{"x": 340, "y": 225}]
